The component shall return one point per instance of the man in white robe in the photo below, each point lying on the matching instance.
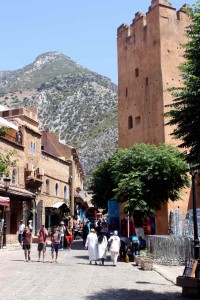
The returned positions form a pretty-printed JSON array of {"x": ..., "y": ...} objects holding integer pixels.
[
  {"x": 115, "y": 244},
  {"x": 91, "y": 245}
]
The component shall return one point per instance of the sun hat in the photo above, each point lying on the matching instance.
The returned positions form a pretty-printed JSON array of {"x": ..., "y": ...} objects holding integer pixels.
[{"x": 61, "y": 223}]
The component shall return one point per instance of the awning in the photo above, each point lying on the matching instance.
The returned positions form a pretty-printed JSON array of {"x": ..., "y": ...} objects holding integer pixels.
[
  {"x": 4, "y": 201},
  {"x": 58, "y": 204},
  {"x": 6, "y": 123}
]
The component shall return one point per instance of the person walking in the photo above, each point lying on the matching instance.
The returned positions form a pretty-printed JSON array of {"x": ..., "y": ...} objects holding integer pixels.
[
  {"x": 30, "y": 225},
  {"x": 26, "y": 243},
  {"x": 115, "y": 244},
  {"x": 62, "y": 229},
  {"x": 91, "y": 245},
  {"x": 42, "y": 236},
  {"x": 101, "y": 248},
  {"x": 86, "y": 231},
  {"x": 134, "y": 246},
  {"x": 20, "y": 231},
  {"x": 55, "y": 242},
  {"x": 69, "y": 236}
]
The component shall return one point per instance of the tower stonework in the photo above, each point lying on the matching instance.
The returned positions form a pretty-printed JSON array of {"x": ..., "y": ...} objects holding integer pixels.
[{"x": 149, "y": 53}]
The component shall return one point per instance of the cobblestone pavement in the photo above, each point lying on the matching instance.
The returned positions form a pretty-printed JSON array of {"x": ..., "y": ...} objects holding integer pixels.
[{"x": 73, "y": 278}]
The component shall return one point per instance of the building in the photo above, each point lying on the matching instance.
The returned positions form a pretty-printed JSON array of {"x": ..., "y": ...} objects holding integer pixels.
[
  {"x": 149, "y": 53},
  {"x": 48, "y": 177}
]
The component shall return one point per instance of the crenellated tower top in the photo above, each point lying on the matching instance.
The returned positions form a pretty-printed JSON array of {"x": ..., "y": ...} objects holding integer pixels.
[{"x": 141, "y": 20}]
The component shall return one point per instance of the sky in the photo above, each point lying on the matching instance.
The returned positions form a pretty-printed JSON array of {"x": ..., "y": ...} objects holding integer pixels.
[{"x": 85, "y": 30}]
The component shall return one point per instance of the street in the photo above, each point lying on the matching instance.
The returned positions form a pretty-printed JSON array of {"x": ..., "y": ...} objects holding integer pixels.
[{"x": 73, "y": 278}]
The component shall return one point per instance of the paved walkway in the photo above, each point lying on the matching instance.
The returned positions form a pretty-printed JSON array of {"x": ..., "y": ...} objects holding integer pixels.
[{"x": 73, "y": 278}]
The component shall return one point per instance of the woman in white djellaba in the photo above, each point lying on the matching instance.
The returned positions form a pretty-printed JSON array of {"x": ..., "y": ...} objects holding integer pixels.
[
  {"x": 101, "y": 248},
  {"x": 91, "y": 245},
  {"x": 115, "y": 244}
]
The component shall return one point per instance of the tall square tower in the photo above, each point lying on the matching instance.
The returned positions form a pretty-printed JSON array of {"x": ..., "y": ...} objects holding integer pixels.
[{"x": 149, "y": 53}]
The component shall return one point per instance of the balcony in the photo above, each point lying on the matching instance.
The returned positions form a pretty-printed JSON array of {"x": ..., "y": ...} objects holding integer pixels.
[
  {"x": 19, "y": 112},
  {"x": 17, "y": 139},
  {"x": 33, "y": 182},
  {"x": 33, "y": 179}
]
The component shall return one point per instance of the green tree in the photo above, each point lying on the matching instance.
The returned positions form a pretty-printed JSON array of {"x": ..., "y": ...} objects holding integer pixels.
[
  {"x": 147, "y": 176},
  {"x": 6, "y": 160},
  {"x": 102, "y": 185},
  {"x": 144, "y": 176},
  {"x": 185, "y": 109}
]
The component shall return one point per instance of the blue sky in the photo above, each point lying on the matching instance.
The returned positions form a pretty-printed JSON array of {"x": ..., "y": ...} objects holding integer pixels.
[{"x": 85, "y": 30}]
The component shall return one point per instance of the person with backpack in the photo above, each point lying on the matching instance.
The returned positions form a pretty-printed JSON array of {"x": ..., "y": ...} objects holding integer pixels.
[{"x": 101, "y": 248}]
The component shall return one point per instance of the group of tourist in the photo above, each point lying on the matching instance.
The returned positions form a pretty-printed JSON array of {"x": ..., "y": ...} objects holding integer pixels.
[
  {"x": 60, "y": 235},
  {"x": 98, "y": 245},
  {"x": 96, "y": 237}
]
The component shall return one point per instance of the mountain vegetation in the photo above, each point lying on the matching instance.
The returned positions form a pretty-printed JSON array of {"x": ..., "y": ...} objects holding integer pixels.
[{"x": 72, "y": 100}]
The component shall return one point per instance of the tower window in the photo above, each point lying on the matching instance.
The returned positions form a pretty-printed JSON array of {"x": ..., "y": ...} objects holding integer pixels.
[
  {"x": 130, "y": 122},
  {"x": 137, "y": 120},
  {"x": 136, "y": 72},
  {"x": 126, "y": 92},
  {"x": 147, "y": 81}
]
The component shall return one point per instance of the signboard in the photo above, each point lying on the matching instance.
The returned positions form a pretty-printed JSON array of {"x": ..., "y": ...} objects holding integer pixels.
[
  {"x": 113, "y": 214},
  {"x": 190, "y": 268}
]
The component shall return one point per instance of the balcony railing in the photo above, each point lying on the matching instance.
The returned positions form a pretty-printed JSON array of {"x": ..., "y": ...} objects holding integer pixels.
[
  {"x": 13, "y": 139},
  {"x": 18, "y": 112}
]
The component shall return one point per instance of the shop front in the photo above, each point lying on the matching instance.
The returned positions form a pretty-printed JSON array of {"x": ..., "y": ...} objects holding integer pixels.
[
  {"x": 58, "y": 212},
  {"x": 4, "y": 206}
]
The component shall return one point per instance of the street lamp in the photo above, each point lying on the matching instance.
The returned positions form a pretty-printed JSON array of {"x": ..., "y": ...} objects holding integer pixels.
[
  {"x": 193, "y": 172},
  {"x": 6, "y": 186}
]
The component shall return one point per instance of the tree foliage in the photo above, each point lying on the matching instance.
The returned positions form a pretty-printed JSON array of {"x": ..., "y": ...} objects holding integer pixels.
[
  {"x": 102, "y": 183},
  {"x": 185, "y": 109},
  {"x": 6, "y": 160},
  {"x": 145, "y": 176}
]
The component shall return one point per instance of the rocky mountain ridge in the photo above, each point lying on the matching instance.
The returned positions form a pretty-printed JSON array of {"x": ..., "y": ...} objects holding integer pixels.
[{"x": 72, "y": 100}]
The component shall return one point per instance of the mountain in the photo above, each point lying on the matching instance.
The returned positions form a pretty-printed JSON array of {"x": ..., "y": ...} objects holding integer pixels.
[{"x": 72, "y": 100}]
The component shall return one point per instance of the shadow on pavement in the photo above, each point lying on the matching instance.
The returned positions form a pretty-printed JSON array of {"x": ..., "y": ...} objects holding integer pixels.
[
  {"x": 78, "y": 245},
  {"x": 82, "y": 257},
  {"x": 125, "y": 294},
  {"x": 97, "y": 266},
  {"x": 146, "y": 282}
]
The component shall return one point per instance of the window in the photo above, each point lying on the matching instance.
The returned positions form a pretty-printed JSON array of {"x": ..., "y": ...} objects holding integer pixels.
[
  {"x": 146, "y": 81},
  {"x": 19, "y": 137},
  {"x": 126, "y": 92},
  {"x": 56, "y": 190},
  {"x": 136, "y": 72},
  {"x": 15, "y": 176},
  {"x": 32, "y": 148},
  {"x": 48, "y": 186},
  {"x": 65, "y": 192},
  {"x": 130, "y": 122},
  {"x": 137, "y": 120}
]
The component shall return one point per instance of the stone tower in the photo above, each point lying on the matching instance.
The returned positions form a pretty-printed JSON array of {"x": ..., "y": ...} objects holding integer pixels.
[{"x": 149, "y": 53}]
